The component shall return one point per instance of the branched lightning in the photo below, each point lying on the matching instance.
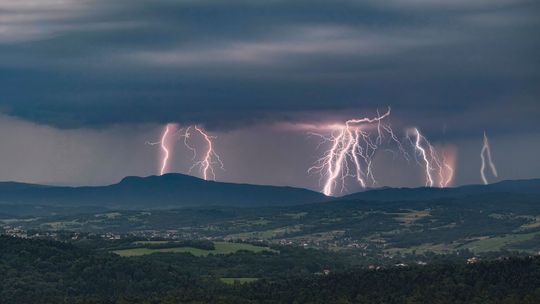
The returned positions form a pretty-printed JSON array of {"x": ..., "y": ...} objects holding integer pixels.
[
  {"x": 210, "y": 158},
  {"x": 438, "y": 171},
  {"x": 486, "y": 153},
  {"x": 186, "y": 137},
  {"x": 352, "y": 147}
]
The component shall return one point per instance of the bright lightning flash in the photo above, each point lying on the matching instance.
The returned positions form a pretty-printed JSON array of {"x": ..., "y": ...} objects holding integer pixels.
[
  {"x": 166, "y": 146},
  {"x": 439, "y": 168},
  {"x": 486, "y": 153},
  {"x": 209, "y": 159},
  {"x": 352, "y": 147}
]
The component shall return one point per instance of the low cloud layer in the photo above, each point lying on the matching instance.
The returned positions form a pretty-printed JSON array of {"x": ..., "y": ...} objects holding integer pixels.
[
  {"x": 92, "y": 63},
  {"x": 451, "y": 68}
]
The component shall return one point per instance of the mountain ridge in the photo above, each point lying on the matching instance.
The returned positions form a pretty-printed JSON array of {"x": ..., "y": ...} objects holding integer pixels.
[
  {"x": 529, "y": 186},
  {"x": 178, "y": 190},
  {"x": 167, "y": 191}
]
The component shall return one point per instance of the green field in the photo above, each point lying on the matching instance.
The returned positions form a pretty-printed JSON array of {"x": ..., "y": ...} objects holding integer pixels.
[
  {"x": 482, "y": 224},
  {"x": 484, "y": 244},
  {"x": 497, "y": 243},
  {"x": 410, "y": 217},
  {"x": 220, "y": 248},
  {"x": 231, "y": 281},
  {"x": 150, "y": 242},
  {"x": 265, "y": 234}
]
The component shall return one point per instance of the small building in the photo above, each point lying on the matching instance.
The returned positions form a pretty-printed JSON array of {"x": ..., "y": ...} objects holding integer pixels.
[{"x": 473, "y": 260}]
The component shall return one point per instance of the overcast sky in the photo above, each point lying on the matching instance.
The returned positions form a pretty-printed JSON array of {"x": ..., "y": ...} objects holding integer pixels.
[{"x": 85, "y": 83}]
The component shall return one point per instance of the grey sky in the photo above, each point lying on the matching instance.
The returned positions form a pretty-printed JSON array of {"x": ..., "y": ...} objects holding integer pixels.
[{"x": 85, "y": 83}]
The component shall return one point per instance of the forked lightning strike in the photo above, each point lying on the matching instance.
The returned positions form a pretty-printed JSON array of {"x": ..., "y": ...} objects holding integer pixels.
[
  {"x": 352, "y": 144},
  {"x": 438, "y": 171},
  {"x": 352, "y": 147},
  {"x": 486, "y": 153},
  {"x": 210, "y": 158}
]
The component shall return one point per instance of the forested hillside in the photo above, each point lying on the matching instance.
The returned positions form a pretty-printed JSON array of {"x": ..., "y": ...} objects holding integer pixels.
[{"x": 36, "y": 271}]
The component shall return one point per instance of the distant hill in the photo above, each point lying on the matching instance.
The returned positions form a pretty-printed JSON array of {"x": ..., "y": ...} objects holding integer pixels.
[
  {"x": 177, "y": 191},
  {"x": 167, "y": 191},
  {"x": 501, "y": 216},
  {"x": 531, "y": 186}
]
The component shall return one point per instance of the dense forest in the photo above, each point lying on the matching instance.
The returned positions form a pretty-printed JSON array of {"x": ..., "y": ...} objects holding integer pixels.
[{"x": 40, "y": 271}]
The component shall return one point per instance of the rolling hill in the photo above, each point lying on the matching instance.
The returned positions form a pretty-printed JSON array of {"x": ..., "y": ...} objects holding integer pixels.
[
  {"x": 167, "y": 191},
  {"x": 523, "y": 187},
  {"x": 172, "y": 191}
]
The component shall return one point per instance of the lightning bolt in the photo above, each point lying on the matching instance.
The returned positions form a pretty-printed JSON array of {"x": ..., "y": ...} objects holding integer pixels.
[
  {"x": 438, "y": 170},
  {"x": 352, "y": 144},
  {"x": 423, "y": 153},
  {"x": 186, "y": 137},
  {"x": 209, "y": 159},
  {"x": 166, "y": 148},
  {"x": 486, "y": 153},
  {"x": 450, "y": 171}
]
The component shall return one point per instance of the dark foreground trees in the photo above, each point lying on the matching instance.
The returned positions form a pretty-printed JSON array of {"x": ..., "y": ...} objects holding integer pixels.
[{"x": 52, "y": 272}]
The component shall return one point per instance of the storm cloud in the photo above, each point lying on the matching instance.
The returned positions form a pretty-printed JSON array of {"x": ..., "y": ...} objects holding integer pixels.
[
  {"x": 92, "y": 63},
  {"x": 452, "y": 68}
]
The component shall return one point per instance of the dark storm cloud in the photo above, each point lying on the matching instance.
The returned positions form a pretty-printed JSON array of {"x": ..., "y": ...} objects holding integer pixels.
[{"x": 458, "y": 64}]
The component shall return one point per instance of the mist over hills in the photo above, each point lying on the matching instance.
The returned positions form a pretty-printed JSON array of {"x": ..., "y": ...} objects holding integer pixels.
[{"x": 178, "y": 191}]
